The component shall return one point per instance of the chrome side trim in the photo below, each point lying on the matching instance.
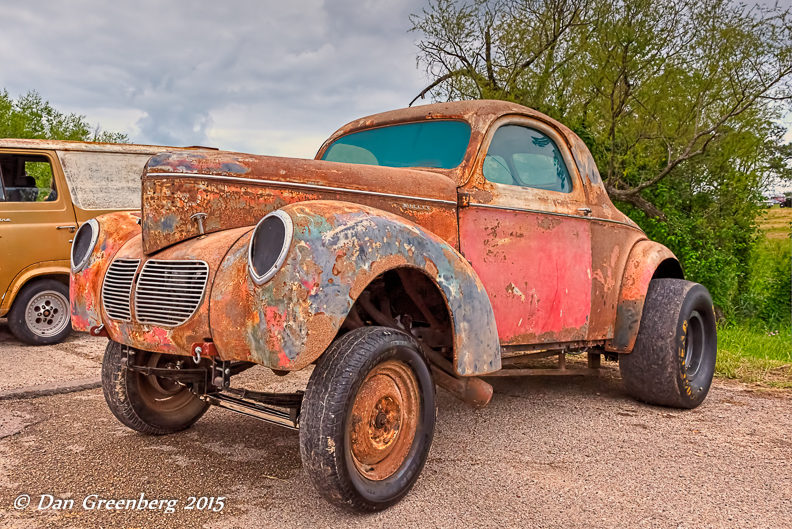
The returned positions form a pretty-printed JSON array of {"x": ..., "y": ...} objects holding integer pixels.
[
  {"x": 553, "y": 213},
  {"x": 302, "y": 186}
]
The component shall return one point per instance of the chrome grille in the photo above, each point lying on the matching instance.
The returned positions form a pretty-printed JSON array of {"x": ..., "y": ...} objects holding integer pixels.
[
  {"x": 168, "y": 292},
  {"x": 117, "y": 288}
]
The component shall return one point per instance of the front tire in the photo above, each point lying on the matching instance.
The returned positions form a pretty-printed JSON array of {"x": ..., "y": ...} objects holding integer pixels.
[
  {"x": 145, "y": 403},
  {"x": 367, "y": 419},
  {"x": 41, "y": 314},
  {"x": 673, "y": 361}
]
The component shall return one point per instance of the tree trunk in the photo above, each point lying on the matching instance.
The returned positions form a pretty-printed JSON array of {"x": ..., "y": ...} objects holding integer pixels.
[{"x": 638, "y": 201}]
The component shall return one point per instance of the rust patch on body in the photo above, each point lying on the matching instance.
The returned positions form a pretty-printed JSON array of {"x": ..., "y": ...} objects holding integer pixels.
[
  {"x": 85, "y": 287},
  {"x": 362, "y": 243}
]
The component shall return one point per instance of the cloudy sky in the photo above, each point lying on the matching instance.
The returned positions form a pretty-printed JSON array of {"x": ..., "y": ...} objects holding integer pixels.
[
  {"x": 268, "y": 77},
  {"x": 264, "y": 76}
]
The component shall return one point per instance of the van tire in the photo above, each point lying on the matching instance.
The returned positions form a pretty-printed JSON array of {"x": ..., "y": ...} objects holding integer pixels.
[{"x": 41, "y": 314}]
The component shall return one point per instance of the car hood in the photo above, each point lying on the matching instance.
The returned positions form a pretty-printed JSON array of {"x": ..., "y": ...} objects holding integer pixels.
[{"x": 185, "y": 195}]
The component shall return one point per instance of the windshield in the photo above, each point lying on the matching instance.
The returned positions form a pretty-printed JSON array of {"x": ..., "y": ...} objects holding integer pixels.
[{"x": 437, "y": 144}]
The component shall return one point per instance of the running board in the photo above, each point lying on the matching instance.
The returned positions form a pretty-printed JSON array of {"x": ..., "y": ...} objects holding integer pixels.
[{"x": 252, "y": 409}]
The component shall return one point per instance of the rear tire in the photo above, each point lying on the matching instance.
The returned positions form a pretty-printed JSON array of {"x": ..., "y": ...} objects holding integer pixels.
[
  {"x": 367, "y": 419},
  {"x": 41, "y": 314},
  {"x": 145, "y": 403},
  {"x": 673, "y": 361}
]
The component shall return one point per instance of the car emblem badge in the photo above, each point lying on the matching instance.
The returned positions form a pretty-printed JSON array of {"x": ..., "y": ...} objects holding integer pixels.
[{"x": 200, "y": 218}]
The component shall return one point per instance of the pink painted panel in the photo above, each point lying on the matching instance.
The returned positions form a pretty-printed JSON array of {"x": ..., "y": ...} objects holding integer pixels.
[{"x": 536, "y": 269}]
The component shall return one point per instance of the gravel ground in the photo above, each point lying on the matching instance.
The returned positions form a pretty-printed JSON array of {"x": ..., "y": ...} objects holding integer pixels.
[
  {"x": 547, "y": 452},
  {"x": 79, "y": 357}
]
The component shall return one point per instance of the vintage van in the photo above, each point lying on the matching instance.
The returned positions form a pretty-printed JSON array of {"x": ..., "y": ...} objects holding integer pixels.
[{"x": 47, "y": 190}]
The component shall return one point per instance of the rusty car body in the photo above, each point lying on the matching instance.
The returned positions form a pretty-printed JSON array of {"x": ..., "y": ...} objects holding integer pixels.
[
  {"x": 479, "y": 271},
  {"x": 48, "y": 189}
]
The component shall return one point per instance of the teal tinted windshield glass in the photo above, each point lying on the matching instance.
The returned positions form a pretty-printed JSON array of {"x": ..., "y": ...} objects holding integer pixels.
[{"x": 437, "y": 144}]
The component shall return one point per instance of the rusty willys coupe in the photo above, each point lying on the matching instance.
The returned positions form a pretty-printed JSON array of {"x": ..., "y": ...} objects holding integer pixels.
[{"x": 423, "y": 247}]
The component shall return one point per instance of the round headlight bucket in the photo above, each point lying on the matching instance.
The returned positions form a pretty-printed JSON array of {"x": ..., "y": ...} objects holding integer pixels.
[
  {"x": 83, "y": 244},
  {"x": 269, "y": 245}
]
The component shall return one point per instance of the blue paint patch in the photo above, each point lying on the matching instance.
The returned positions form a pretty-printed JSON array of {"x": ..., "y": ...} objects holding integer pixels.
[
  {"x": 167, "y": 223},
  {"x": 233, "y": 167},
  {"x": 185, "y": 162},
  {"x": 338, "y": 247}
]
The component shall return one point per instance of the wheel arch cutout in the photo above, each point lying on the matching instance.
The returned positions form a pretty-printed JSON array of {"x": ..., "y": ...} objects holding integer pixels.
[
  {"x": 341, "y": 258},
  {"x": 648, "y": 260},
  {"x": 57, "y": 270}
]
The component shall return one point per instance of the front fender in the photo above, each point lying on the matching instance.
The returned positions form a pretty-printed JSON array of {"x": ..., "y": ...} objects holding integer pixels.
[
  {"x": 645, "y": 257},
  {"x": 338, "y": 248},
  {"x": 85, "y": 286}
]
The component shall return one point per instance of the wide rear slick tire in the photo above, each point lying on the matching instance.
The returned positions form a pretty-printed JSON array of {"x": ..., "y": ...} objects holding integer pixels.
[
  {"x": 147, "y": 404},
  {"x": 673, "y": 361},
  {"x": 367, "y": 419}
]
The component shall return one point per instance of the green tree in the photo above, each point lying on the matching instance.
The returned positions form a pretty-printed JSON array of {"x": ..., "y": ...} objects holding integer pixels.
[
  {"x": 678, "y": 100},
  {"x": 32, "y": 117}
]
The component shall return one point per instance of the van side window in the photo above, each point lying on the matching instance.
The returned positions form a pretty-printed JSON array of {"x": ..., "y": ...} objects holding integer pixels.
[
  {"x": 524, "y": 157},
  {"x": 27, "y": 178}
]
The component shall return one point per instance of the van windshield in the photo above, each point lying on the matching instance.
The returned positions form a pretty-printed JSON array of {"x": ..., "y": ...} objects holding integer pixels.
[{"x": 436, "y": 144}]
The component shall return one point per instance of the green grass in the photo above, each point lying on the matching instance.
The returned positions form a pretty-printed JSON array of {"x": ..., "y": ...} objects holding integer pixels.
[
  {"x": 754, "y": 355},
  {"x": 759, "y": 349}
]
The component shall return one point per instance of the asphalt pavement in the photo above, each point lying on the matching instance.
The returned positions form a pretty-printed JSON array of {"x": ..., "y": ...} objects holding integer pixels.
[{"x": 547, "y": 452}]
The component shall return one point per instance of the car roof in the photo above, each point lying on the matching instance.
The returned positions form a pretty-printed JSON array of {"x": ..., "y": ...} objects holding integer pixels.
[{"x": 479, "y": 113}]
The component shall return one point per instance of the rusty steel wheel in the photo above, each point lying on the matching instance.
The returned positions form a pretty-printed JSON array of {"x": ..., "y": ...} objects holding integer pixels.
[
  {"x": 383, "y": 422},
  {"x": 367, "y": 419},
  {"x": 146, "y": 403}
]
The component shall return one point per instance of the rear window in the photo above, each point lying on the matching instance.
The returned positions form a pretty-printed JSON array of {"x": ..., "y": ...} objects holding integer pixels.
[
  {"x": 104, "y": 180},
  {"x": 436, "y": 144}
]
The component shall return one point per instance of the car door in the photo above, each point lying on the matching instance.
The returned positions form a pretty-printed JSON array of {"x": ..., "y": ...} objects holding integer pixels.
[
  {"x": 523, "y": 227},
  {"x": 37, "y": 216}
]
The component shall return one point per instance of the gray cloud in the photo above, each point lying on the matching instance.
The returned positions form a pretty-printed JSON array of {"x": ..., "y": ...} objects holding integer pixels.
[{"x": 270, "y": 77}]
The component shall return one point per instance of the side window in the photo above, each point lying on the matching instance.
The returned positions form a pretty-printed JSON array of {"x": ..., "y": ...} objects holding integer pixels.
[
  {"x": 27, "y": 178},
  {"x": 524, "y": 157}
]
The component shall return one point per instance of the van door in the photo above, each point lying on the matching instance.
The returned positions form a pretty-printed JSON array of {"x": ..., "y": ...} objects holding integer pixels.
[{"x": 37, "y": 219}]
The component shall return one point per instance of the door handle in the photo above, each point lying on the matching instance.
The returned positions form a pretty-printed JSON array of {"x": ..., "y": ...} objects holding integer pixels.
[
  {"x": 586, "y": 211},
  {"x": 71, "y": 229}
]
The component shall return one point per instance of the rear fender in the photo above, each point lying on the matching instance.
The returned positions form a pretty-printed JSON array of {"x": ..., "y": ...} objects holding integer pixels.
[
  {"x": 85, "y": 286},
  {"x": 338, "y": 248},
  {"x": 644, "y": 260}
]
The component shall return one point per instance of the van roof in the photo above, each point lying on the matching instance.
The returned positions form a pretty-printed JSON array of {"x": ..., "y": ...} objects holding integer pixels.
[{"x": 87, "y": 146}]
